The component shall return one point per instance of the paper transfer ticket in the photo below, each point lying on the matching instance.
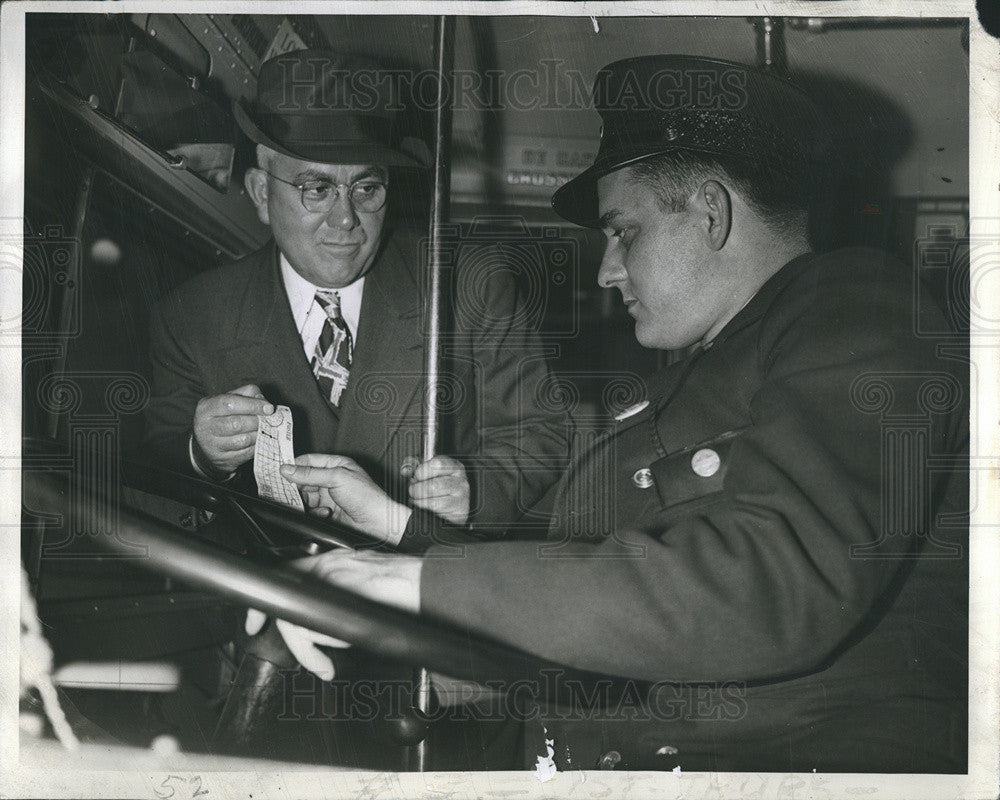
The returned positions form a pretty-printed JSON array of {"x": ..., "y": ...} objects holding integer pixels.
[{"x": 274, "y": 448}]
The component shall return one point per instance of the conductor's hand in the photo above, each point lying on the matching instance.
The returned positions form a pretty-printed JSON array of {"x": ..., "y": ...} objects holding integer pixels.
[
  {"x": 301, "y": 643},
  {"x": 337, "y": 488},
  {"x": 388, "y": 578},
  {"x": 439, "y": 485},
  {"x": 225, "y": 428}
]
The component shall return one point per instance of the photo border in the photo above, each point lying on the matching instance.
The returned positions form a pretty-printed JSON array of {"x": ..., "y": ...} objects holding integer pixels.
[{"x": 63, "y": 780}]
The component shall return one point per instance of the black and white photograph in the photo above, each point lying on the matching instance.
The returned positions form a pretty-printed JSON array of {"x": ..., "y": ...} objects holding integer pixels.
[{"x": 476, "y": 400}]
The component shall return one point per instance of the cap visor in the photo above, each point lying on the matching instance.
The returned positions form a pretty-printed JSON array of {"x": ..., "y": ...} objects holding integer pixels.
[{"x": 576, "y": 200}]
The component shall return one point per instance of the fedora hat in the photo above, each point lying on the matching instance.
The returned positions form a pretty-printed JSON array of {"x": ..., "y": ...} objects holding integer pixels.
[
  {"x": 654, "y": 105},
  {"x": 317, "y": 105}
]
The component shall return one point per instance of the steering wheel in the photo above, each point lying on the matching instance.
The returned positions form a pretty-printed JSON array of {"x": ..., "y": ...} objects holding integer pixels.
[
  {"x": 289, "y": 527},
  {"x": 285, "y": 593},
  {"x": 280, "y": 591}
]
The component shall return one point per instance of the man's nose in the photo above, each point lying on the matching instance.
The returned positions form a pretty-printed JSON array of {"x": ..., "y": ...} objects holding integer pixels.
[
  {"x": 342, "y": 214},
  {"x": 612, "y": 269}
]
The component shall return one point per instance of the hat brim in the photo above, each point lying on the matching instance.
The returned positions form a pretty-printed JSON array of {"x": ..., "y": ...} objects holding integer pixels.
[
  {"x": 576, "y": 200},
  {"x": 333, "y": 152}
]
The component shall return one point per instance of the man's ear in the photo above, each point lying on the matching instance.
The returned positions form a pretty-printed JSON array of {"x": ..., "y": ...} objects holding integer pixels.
[
  {"x": 719, "y": 213},
  {"x": 255, "y": 182}
]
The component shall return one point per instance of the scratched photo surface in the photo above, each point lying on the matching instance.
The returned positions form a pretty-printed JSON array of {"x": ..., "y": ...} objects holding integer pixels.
[{"x": 589, "y": 404}]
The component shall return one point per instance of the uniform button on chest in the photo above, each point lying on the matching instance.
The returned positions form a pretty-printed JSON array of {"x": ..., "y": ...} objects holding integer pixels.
[
  {"x": 643, "y": 478},
  {"x": 610, "y": 760},
  {"x": 705, "y": 462}
]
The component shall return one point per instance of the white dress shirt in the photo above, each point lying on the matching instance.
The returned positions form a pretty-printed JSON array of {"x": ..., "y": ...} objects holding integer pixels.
[
  {"x": 309, "y": 315},
  {"x": 309, "y": 318}
]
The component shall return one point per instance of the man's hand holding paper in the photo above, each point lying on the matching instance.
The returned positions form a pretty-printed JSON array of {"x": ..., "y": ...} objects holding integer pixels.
[{"x": 225, "y": 428}]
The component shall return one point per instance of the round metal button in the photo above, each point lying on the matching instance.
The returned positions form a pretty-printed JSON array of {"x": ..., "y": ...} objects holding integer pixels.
[
  {"x": 610, "y": 760},
  {"x": 705, "y": 462},
  {"x": 643, "y": 478}
]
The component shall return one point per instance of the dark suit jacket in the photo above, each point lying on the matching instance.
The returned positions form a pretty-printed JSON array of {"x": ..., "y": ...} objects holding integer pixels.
[
  {"x": 777, "y": 544},
  {"x": 233, "y": 326}
]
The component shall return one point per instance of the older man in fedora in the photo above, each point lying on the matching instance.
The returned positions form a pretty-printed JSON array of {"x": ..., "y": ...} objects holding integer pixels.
[
  {"x": 326, "y": 318},
  {"x": 771, "y": 551}
]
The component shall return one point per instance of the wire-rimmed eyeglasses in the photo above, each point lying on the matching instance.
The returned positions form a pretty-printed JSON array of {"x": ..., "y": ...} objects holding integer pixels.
[{"x": 318, "y": 197}]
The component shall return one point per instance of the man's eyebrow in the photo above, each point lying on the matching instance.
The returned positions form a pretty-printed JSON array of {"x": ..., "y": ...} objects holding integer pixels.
[
  {"x": 370, "y": 172},
  {"x": 317, "y": 175},
  {"x": 311, "y": 175},
  {"x": 607, "y": 219}
]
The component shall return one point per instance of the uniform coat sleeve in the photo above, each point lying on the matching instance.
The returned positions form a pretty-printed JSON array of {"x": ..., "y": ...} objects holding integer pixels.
[{"x": 758, "y": 580}]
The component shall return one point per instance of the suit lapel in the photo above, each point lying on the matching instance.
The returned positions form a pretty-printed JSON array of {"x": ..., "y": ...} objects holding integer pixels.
[
  {"x": 386, "y": 372},
  {"x": 270, "y": 351}
]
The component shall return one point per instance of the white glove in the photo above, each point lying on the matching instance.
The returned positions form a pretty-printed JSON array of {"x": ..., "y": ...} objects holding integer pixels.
[{"x": 301, "y": 643}]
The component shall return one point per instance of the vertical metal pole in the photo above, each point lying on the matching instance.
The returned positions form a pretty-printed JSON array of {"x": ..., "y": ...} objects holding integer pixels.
[
  {"x": 444, "y": 30},
  {"x": 771, "y": 54},
  {"x": 444, "y": 52}
]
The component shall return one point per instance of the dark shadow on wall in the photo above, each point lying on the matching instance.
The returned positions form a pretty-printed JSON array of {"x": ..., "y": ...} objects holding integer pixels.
[{"x": 871, "y": 133}]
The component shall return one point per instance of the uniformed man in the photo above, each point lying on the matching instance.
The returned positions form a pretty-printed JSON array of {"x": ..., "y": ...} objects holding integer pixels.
[{"x": 785, "y": 573}]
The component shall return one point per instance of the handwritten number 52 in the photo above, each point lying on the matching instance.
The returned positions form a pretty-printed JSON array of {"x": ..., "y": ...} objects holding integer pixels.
[{"x": 171, "y": 781}]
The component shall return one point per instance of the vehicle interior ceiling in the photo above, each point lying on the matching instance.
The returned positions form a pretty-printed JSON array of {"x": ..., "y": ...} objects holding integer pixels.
[{"x": 116, "y": 214}]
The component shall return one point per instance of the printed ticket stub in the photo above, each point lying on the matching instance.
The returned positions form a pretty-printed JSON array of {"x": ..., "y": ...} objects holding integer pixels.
[{"x": 274, "y": 448}]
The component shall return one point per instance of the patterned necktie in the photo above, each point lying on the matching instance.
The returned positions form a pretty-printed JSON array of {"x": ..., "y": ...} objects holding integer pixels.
[{"x": 332, "y": 360}]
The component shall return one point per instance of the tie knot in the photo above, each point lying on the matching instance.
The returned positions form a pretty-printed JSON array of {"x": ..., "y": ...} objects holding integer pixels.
[{"x": 329, "y": 301}]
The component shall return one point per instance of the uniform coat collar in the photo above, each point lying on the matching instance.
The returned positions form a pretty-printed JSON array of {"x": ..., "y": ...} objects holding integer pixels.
[
  {"x": 761, "y": 301},
  {"x": 662, "y": 386}
]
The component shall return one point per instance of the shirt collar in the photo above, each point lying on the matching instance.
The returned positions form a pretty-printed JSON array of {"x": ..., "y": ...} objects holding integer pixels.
[{"x": 301, "y": 293}]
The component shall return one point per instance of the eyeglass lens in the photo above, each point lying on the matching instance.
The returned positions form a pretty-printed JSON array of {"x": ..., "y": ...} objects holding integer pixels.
[{"x": 367, "y": 196}]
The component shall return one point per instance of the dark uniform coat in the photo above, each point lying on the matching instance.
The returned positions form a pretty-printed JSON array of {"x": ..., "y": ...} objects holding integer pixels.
[
  {"x": 774, "y": 548},
  {"x": 233, "y": 326}
]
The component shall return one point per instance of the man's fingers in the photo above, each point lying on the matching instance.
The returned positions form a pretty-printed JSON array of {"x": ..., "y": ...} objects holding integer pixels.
[
  {"x": 234, "y": 404},
  {"x": 225, "y": 426},
  {"x": 330, "y": 477},
  {"x": 409, "y": 466},
  {"x": 438, "y": 487},
  {"x": 309, "y": 657},
  {"x": 230, "y": 444},
  {"x": 326, "y": 461},
  {"x": 233, "y": 424},
  {"x": 254, "y": 622},
  {"x": 306, "y": 476},
  {"x": 314, "y": 637},
  {"x": 317, "y": 662},
  {"x": 302, "y": 644},
  {"x": 250, "y": 390},
  {"x": 437, "y": 466},
  {"x": 385, "y": 578}
]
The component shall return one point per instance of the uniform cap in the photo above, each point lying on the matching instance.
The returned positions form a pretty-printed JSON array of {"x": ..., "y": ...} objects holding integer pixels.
[{"x": 662, "y": 104}]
